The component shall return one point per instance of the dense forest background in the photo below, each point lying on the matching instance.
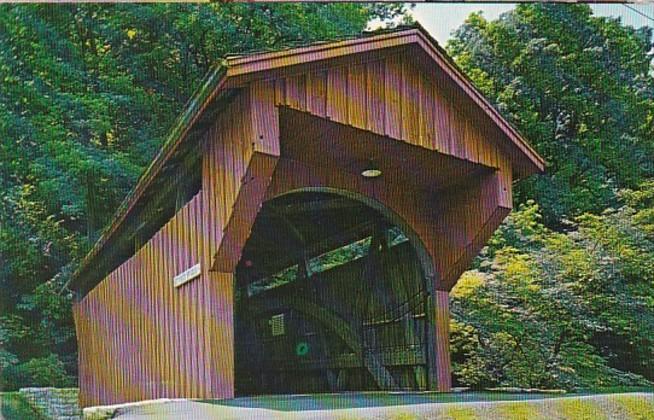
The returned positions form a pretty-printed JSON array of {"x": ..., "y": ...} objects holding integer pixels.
[{"x": 563, "y": 296}]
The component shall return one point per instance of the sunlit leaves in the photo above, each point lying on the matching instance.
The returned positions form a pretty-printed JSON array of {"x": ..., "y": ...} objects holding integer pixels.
[{"x": 571, "y": 310}]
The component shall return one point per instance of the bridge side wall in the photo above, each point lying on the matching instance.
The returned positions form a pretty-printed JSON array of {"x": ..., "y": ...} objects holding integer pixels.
[{"x": 139, "y": 336}]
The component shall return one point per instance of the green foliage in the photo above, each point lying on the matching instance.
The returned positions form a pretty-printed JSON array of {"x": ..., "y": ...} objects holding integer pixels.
[
  {"x": 562, "y": 295},
  {"x": 14, "y": 406},
  {"x": 560, "y": 310},
  {"x": 41, "y": 371},
  {"x": 580, "y": 89},
  {"x": 87, "y": 94}
]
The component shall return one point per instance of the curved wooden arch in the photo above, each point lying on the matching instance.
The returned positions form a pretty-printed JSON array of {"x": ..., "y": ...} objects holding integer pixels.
[
  {"x": 293, "y": 176},
  {"x": 426, "y": 263}
]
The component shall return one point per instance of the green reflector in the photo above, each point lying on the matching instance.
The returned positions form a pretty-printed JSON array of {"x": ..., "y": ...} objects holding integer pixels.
[{"x": 302, "y": 348}]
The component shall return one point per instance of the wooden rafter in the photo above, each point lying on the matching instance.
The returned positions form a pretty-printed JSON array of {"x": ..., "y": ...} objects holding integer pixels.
[
  {"x": 311, "y": 250},
  {"x": 318, "y": 205}
]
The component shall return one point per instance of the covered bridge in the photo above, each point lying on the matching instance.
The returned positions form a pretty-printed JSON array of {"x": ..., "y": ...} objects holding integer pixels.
[{"x": 300, "y": 229}]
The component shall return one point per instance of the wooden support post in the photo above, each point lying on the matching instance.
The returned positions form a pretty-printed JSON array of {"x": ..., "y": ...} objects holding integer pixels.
[
  {"x": 304, "y": 269},
  {"x": 219, "y": 322},
  {"x": 438, "y": 340},
  {"x": 371, "y": 269}
]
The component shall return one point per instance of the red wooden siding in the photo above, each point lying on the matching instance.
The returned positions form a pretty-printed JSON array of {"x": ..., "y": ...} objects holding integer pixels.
[
  {"x": 391, "y": 97},
  {"x": 140, "y": 336},
  {"x": 441, "y": 341},
  {"x": 138, "y": 333}
]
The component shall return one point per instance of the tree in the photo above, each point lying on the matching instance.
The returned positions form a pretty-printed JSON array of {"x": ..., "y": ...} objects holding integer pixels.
[
  {"x": 87, "y": 93},
  {"x": 563, "y": 310},
  {"x": 562, "y": 296},
  {"x": 580, "y": 89}
]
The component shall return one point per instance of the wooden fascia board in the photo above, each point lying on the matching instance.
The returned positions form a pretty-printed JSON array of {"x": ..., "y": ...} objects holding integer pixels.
[{"x": 240, "y": 66}]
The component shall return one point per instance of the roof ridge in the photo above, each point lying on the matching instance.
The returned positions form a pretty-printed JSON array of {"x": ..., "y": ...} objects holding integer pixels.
[{"x": 302, "y": 44}]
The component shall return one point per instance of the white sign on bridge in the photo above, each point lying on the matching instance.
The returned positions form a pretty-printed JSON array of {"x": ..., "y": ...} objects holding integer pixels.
[{"x": 187, "y": 275}]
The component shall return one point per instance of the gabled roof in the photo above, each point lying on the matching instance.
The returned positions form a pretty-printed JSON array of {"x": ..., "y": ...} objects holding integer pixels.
[
  {"x": 236, "y": 70},
  {"x": 239, "y": 67}
]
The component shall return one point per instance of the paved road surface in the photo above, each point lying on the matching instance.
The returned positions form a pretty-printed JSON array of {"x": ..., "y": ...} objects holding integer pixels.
[{"x": 608, "y": 406}]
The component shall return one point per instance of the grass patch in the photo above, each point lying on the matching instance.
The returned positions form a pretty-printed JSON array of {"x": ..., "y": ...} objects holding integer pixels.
[
  {"x": 404, "y": 416},
  {"x": 635, "y": 406},
  {"x": 460, "y": 413},
  {"x": 579, "y": 409},
  {"x": 14, "y": 407},
  {"x": 512, "y": 406},
  {"x": 370, "y": 399},
  {"x": 613, "y": 390},
  {"x": 518, "y": 411}
]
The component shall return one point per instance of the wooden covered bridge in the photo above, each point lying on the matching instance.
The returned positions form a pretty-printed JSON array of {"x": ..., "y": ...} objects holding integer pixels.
[{"x": 300, "y": 229}]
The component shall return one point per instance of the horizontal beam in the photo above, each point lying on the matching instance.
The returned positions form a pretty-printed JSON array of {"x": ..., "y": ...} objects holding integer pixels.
[
  {"x": 394, "y": 358},
  {"x": 327, "y": 244},
  {"x": 317, "y": 206}
]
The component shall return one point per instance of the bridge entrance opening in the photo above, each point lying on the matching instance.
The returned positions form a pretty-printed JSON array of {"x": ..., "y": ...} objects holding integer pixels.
[{"x": 330, "y": 296}]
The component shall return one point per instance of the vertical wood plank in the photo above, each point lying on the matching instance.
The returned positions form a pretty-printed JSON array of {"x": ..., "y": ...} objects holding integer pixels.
[
  {"x": 441, "y": 324},
  {"x": 356, "y": 97},
  {"x": 317, "y": 93},
  {"x": 410, "y": 103},
  {"x": 441, "y": 119},
  {"x": 280, "y": 91},
  {"x": 296, "y": 92},
  {"x": 179, "y": 380},
  {"x": 428, "y": 124},
  {"x": 119, "y": 325},
  {"x": 265, "y": 120},
  {"x": 182, "y": 295},
  {"x": 337, "y": 94},
  {"x": 155, "y": 328},
  {"x": 166, "y": 308},
  {"x": 376, "y": 96},
  {"x": 392, "y": 90},
  {"x": 200, "y": 239},
  {"x": 471, "y": 139}
]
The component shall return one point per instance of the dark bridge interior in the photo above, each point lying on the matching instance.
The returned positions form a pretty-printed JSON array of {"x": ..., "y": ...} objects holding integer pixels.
[{"x": 330, "y": 297}]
